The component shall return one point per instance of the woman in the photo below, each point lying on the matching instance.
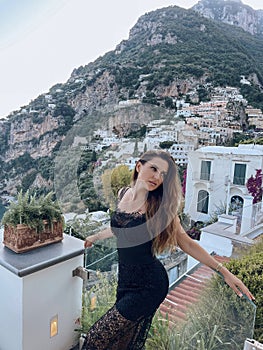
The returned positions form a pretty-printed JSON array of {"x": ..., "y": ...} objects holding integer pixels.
[{"x": 146, "y": 223}]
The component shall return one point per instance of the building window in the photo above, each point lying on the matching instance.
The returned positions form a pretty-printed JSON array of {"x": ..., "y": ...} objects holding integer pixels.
[
  {"x": 205, "y": 170},
  {"x": 202, "y": 202},
  {"x": 239, "y": 174}
]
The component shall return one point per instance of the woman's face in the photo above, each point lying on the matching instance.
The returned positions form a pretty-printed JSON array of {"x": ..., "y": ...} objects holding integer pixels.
[{"x": 152, "y": 172}]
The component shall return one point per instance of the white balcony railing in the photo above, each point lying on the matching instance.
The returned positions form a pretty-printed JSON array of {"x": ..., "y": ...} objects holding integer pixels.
[{"x": 202, "y": 177}]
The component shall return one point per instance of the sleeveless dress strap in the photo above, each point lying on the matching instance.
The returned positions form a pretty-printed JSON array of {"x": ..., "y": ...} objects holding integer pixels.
[{"x": 122, "y": 192}]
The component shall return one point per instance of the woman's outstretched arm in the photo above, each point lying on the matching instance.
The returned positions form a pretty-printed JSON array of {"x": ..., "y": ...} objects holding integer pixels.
[
  {"x": 189, "y": 246},
  {"x": 106, "y": 233}
]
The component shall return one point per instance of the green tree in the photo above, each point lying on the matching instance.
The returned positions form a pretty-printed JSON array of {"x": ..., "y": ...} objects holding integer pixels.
[
  {"x": 203, "y": 94},
  {"x": 120, "y": 177},
  {"x": 94, "y": 156},
  {"x": 238, "y": 138},
  {"x": 113, "y": 181},
  {"x": 106, "y": 187},
  {"x": 28, "y": 180},
  {"x": 166, "y": 144},
  {"x": 168, "y": 102}
]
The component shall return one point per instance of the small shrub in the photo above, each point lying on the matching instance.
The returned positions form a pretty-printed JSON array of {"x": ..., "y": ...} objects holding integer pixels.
[
  {"x": 161, "y": 336},
  {"x": 105, "y": 295},
  {"x": 249, "y": 269},
  {"x": 31, "y": 211}
]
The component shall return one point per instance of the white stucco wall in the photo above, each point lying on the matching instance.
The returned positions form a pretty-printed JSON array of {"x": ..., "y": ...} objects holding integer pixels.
[
  {"x": 47, "y": 293},
  {"x": 220, "y": 245},
  {"x": 10, "y": 311},
  {"x": 35, "y": 287},
  {"x": 212, "y": 243},
  {"x": 28, "y": 303}
]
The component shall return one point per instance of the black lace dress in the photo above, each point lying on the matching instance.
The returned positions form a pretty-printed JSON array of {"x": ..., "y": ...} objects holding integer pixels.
[{"x": 142, "y": 286}]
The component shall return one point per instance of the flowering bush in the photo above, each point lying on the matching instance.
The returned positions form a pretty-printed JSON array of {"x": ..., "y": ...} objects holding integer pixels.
[
  {"x": 254, "y": 186},
  {"x": 195, "y": 231}
]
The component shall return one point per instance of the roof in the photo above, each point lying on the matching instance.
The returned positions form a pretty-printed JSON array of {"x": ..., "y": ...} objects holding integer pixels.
[
  {"x": 220, "y": 229},
  {"x": 249, "y": 149},
  {"x": 186, "y": 292}
]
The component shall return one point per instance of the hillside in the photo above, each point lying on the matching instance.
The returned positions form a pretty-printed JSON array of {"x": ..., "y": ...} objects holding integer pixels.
[
  {"x": 233, "y": 12},
  {"x": 170, "y": 53},
  {"x": 176, "y": 49}
]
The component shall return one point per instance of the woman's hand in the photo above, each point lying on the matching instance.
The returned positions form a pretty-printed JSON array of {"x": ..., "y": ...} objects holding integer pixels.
[
  {"x": 192, "y": 248},
  {"x": 236, "y": 284},
  {"x": 90, "y": 240},
  {"x": 88, "y": 243}
]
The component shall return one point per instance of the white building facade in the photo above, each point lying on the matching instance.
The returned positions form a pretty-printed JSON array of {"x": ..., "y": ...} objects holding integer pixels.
[
  {"x": 217, "y": 177},
  {"x": 180, "y": 151}
]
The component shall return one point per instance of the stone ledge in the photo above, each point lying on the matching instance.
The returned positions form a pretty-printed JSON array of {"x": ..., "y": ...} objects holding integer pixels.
[{"x": 35, "y": 260}]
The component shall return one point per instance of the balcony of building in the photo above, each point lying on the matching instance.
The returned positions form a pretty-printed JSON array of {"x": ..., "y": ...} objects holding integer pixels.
[{"x": 206, "y": 179}]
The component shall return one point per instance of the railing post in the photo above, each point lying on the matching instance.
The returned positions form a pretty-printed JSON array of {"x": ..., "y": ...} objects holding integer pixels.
[
  {"x": 247, "y": 214},
  {"x": 251, "y": 344}
]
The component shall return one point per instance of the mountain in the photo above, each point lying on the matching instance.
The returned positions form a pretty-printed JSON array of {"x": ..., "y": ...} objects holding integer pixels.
[
  {"x": 232, "y": 12},
  {"x": 170, "y": 53}
]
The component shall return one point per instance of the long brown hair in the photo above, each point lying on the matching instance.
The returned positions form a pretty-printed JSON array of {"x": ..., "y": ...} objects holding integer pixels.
[{"x": 162, "y": 204}]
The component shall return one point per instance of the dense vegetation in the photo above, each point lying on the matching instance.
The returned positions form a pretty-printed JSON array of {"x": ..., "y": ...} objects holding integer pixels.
[
  {"x": 217, "y": 52},
  {"x": 249, "y": 269}
]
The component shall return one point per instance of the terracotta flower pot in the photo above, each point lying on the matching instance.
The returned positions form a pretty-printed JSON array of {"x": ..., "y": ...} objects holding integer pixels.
[{"x": 21, "y": 238}]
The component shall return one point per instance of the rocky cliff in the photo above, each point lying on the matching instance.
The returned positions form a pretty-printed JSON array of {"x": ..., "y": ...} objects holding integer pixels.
[{"x": 232, "y": 12}]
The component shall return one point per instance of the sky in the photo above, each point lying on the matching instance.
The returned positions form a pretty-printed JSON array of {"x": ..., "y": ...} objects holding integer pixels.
[{"x": 42, "y": 42}]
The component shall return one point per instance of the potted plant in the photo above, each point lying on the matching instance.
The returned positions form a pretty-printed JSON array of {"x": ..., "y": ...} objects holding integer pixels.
[{"x": 31, "y": 222}]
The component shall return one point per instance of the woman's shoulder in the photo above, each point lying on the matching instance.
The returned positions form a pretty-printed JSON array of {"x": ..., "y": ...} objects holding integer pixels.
[{"x": 122, "y": 192}]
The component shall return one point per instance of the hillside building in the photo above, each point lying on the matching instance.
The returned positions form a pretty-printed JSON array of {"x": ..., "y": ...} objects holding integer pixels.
[
  {"x": 255, "y": 117},
  {"x": 216, "y": 181}
]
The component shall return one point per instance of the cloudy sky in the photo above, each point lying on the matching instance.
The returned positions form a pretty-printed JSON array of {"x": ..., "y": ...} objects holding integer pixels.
[{"x": 41, "y": 42}]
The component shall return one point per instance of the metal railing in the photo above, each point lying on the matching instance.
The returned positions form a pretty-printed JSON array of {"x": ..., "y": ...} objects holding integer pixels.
[{"x": 251, "y": 344}]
